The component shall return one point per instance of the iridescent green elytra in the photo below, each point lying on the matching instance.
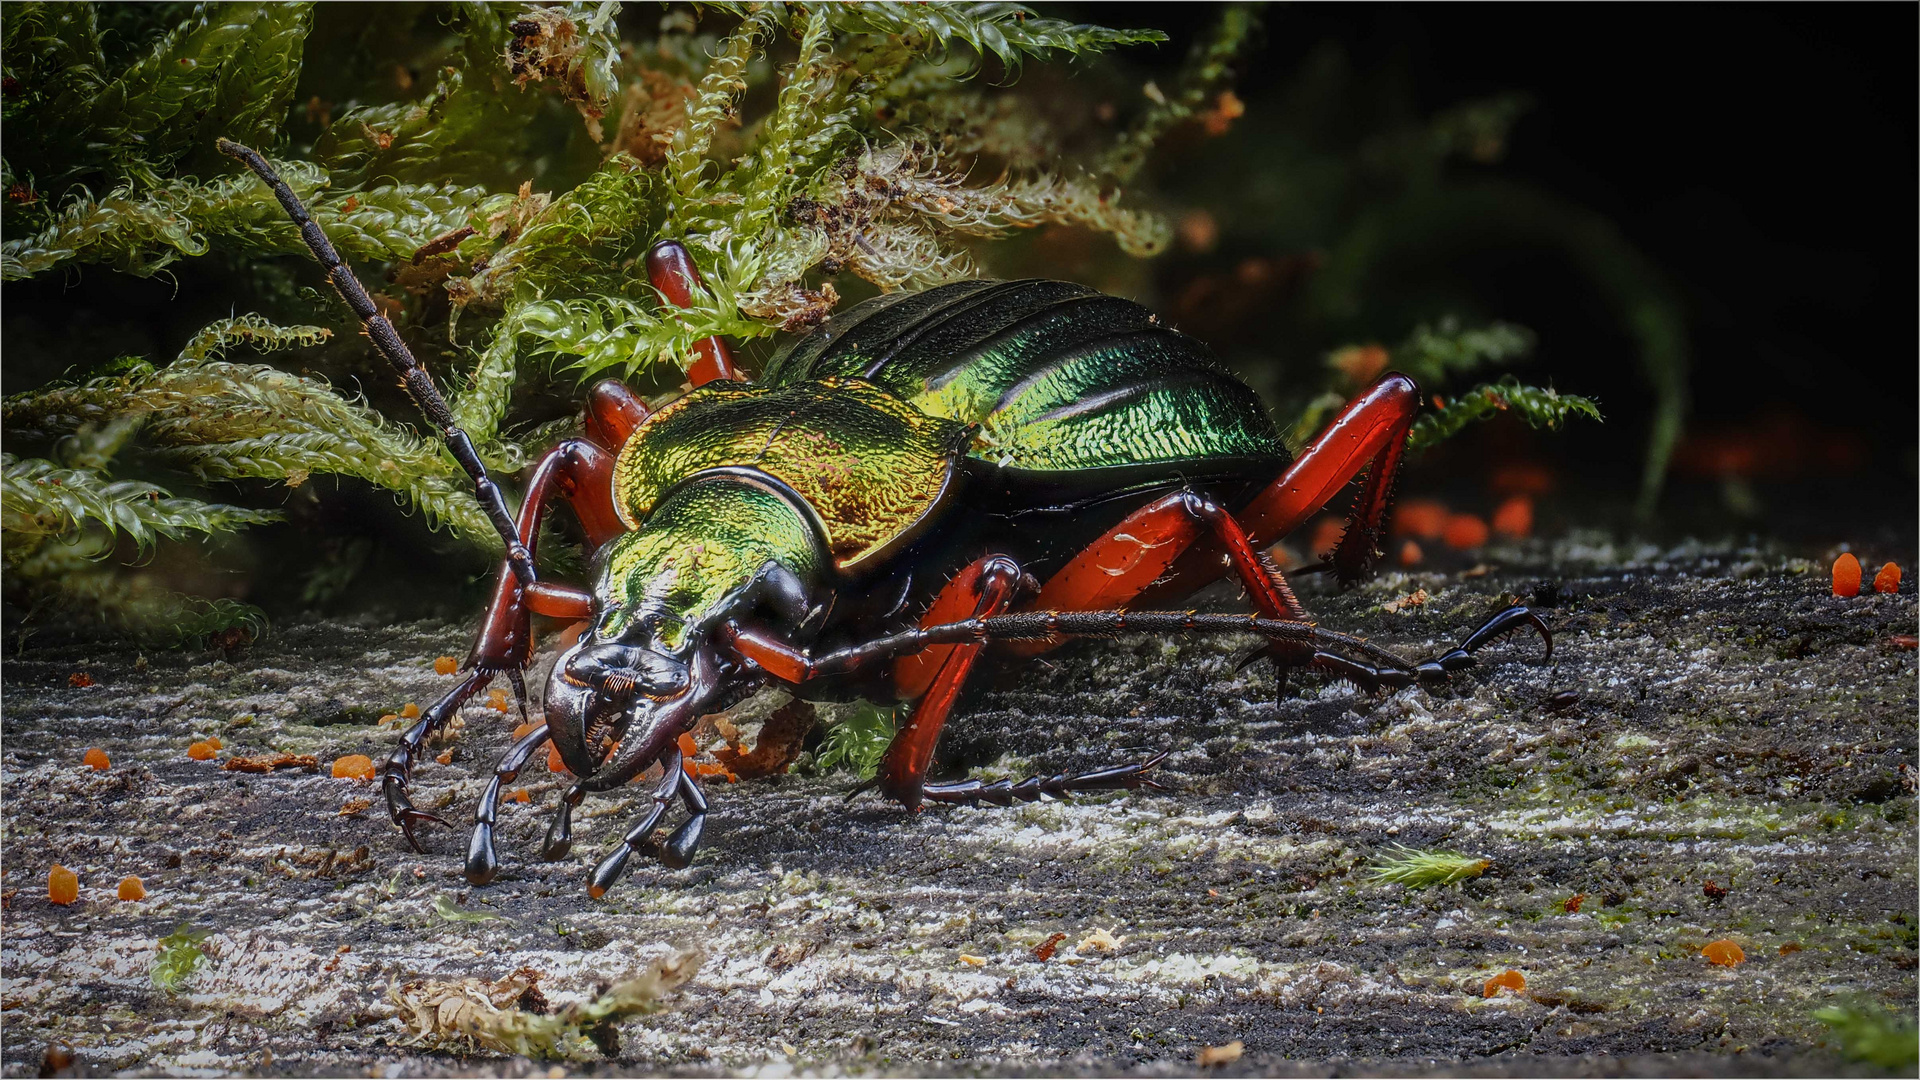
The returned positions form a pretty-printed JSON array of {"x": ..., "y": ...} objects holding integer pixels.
[{"x": 979, "y": 413}]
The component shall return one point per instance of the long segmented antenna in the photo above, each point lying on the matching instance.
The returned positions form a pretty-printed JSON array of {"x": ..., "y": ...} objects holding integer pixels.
[{"x": 388, "y": 342}]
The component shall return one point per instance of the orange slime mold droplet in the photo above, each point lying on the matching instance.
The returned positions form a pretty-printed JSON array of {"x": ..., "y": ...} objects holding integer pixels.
[
  {"x": 1326, "y": 535},
  {"x": 1465, "y": 531},
  {"x": 1424, "y": 518},
  {"x": 1514, "y": 518},
  {"x": 63, "y": 885},
  {"x": 96, "y": 758},
  {"x": 353, "y": 767},
  {"x": 1846, "y": 575},
  {"x": 131, "y": 888},
  {"x": 201, "y": 751},
  {"x": 1724, "y": 952},
  {"x": 1506, "y": 980},
  {"x": 445, "y": 665},
  {"x": 1410, "y": 554},
  {"x": 1888, "y": 579}
]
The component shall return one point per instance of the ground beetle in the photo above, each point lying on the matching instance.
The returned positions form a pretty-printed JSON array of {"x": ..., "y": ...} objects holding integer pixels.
[{"x": 921, "y": 475}]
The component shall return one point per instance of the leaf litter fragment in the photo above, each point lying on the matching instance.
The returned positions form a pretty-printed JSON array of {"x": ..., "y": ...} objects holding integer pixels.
[{"x": 474, "y": 1014}]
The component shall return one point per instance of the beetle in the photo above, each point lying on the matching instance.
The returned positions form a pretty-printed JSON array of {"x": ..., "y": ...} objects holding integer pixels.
[{"x": 922, "y": 475}]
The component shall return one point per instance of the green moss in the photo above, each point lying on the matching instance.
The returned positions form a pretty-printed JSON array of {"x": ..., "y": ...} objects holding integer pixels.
[{"x": 179, "y": 956}]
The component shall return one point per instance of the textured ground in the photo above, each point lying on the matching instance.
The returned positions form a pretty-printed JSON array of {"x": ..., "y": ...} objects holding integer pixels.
[{"x": 1736, "y": 724}]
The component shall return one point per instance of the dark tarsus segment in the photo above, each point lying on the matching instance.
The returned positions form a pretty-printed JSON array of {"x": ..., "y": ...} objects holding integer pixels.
[
  {"x": 395, "y": 773},
  {"x": 387, "y": 341},
  {"x": 678, "y": 851},
  {"x": 1058, "y": 786},
  {"x": 481, "y": 863}
]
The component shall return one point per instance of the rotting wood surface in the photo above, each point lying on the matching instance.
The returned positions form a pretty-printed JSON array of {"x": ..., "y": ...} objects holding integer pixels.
[{"x": 1736, "y": 724}]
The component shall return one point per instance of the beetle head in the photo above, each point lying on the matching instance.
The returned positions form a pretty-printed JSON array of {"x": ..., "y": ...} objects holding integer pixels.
[{"x": 716, "y": 548}]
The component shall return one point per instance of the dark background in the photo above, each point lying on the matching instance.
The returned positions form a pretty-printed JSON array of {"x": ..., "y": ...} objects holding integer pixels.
[{"x": 1762, "y": 157}]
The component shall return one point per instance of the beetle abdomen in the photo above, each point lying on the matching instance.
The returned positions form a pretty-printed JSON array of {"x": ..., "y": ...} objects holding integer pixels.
[{"x": 1059, "y": 377}]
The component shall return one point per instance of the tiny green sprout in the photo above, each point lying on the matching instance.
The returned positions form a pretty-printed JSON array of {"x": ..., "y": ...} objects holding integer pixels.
[
  {"x": 1419, "y": 869},
  {"x": 444, "y": 907},
  {"x": 1873, "y": 1035},
  {"x": 179, "y": 956},
  {"x": 857, "y": 742}
]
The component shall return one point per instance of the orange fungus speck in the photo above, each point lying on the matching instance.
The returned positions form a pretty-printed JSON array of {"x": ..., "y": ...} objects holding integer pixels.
[
  {"x": 519, "y": 795},
  {"x": 554, "y": 764},
  {"x": 1423, "y": 518},
  {"x": 132, "y": 889},
  {"x": 1888, "y": 579},
  {"x": 1465, "y": 531},
  {"x": 497, "y": 701},
  {"x": 353, "y": 767},
  {"x": 1507, "y": 980},
  {"x": 1326, "y": 535},
  {"x": 96, "y": 758},
  {"x": 445, "y": 665},
  {"x": 201, "y": 751},
  {"x": 63, "y": 885},
  {"x": 1410, "y": 554},
  {"x": 1846, "y": 575},
  {"x": 410, "y": 711},
  {"x": 1514, "y": 518},
  {"x": 1723, "y": 952},
  {"x": 1522, "y": 478},
  {"x": 214, "y": 741}
]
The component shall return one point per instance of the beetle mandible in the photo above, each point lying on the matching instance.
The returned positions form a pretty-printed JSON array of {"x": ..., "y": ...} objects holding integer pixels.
[{"x": 920, "y": 476}]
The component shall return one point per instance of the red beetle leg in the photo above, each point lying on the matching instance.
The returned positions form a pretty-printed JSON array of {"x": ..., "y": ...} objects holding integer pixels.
[
  {"x": 670, "y": 268},
  {"x": 614, "y": 413},
  {"x": 1371, "y": 434},
  {"x": 583, "y": 474},
  {"x": 994, "y": 582},
  {"x": 963, "y": 598},
  {"x": 775, "y": 657},
  {"x": 1113, "y": 571}
]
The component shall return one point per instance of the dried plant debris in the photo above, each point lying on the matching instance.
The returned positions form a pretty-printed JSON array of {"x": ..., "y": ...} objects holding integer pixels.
[
  {"x": 782, "y": 737},
  {"x": 444, "y": 907},
  {"x": 474, "y": 1014},
  {"x": 1401, "y": 865}
]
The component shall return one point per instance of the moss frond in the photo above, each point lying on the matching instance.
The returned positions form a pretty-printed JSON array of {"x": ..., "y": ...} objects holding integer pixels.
[
  {"x": 1208, "y": 68},
  {"x": 142, "y": 234},
  {"x": 1435, "y": 352},
  {"x": 717, "y": 99},
  {"x": 40, "y": 499},
  {"x": 1869, "y": 1032},
  {"x": 1402, "y": 865},
  {"x": 1540, "y": 407},
  {"x": 1006, "y": 32},
  {"x": 856, "y": 741},
  {"x": 227, "y": 421}
]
